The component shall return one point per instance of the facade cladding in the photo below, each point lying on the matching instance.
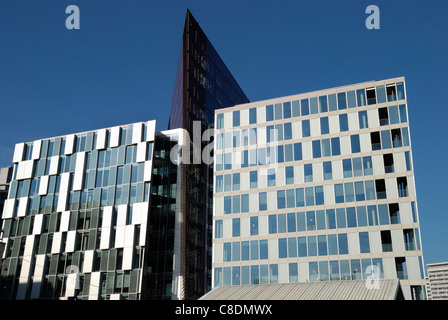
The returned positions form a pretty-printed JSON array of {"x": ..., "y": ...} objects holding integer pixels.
[
  {"x": 76, "y": 218},
  {"x": 203, "y": 85},
  {"x": 317, "y": 187}
]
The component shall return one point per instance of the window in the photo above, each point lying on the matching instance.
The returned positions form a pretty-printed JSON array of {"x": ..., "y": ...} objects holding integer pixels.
[
  {"x": 308, "y": 170},
  {"x": 306, "y": 131},
  {"x": 262, "y": 201},
  {"x": 323, "y": 104},
  {"x": 300, "y": 197},
  {"x": 272, "y": 221},
  {"x": 269, "y": 112},
  {"x": 227, "y": 205},
  {"x": 396, "y": 138},
  {"x": 316, "y": 149},
  {"x": 286, "y": 110},
  {"x": 281, "y": 223},
  {"x": 372, "y": 215},
  {"x": 281, "y": 199},
  {"x": 328, "y": 174},
  {"x": 363, "y": 123},
  {"x": 380, "y": 187},
  {"x": 236, "y": 118},
  {"x": 400, "y": 91},
  {"x": 403, "y": 113},
  {"x": 347, "y": 168},
  {"x": 400, "y": 264},
  {"x": 235, "y": 227},
  {"x": 361, "y": 95},
  {"x": 324, "y": 127},
  {"x": 244, "y": 203},
  {"x": 367, "y": 165},
  {"x": 343, "y": 243},
  {"x": 287, "y": 131},
  {"x": 342, "y": 102},
  {"x": 271, "y": 177},
  {"x": 253, "y": 176},
  {"x": 339, "y": 193},
  {"x": 326, "y": 148},
  {"x": 386, "y": 241},
  {"x": 296, "y": 108},
  {"x": 357, "y": 167},
  {"x": 388, "y": 161},
  {"x": 380, "y": 94},
  {"x": 252, "y": 115},
  {"x": 364, "y": 244},
  {"x": 312, "y": 246},
  {"x": 351, "y": 99},
  {"x": 391, "y": 93},
  {"x": 361, "y": 215},
  {"x": 386, "y": 139},
  {"x": 309, "y": 196},
  {"x": 289, "y": 156},
  {"x": 359, "y": 191},
  {"x": 331, "y": 219},
  {"x": 297, "y": 151},
  {"x": 305, "y": 108},
  {"x": 383, "y": 214},
  {"x": 340, "y": 218},
  {"x": 278, "y": 111},
  {"x": 343, "y": 122},
  {"x": 371, "y": 96},
  {"x": 302, "y": 247},
  {"x": 319, "y": 195},
  {"x": 254, "y": 250},
  {"x": 291, "y": 218},
  {"x": 314, "y": 106},
  {"x": 335, "y": 147},
  {"x": 332, "y": 102},
  {"x": 236, "y": 182},
  {"x": 227, "y": 182},
  {"x": 402, "y": 185},
  {"x": 349, "y": 192},
  {"x": 407, "y": 156},
  {"x": 393, "y": 115},
  {"x": 289, "y": 174},
  {"x": 370, "y": 190},
  {"x": 394, "y": 213},
  {"x": 322, "y": 245},
  {"x": 356, "y": 146},
  {"x": 409, "y": 239},
  {"x": 376, "y": 141}
]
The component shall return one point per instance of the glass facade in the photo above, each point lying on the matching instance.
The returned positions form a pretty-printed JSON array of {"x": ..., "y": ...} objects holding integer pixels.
[
  {"x": 75, "y": 220},
  {"x": 329, "y": 183}
]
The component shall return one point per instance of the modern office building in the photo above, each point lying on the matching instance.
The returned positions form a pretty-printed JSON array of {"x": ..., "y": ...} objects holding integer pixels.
[
  {"x": 317, "y": 187},
  {"x": 76, "y": 218},
  {"x": 203, "y": 85},
  {"x": 437, "y": 281},
  {"x": 5, "y": 179}
]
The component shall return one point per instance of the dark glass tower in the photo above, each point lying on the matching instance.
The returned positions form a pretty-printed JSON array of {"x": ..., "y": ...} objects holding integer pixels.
[{"x": 203, "y": 85}]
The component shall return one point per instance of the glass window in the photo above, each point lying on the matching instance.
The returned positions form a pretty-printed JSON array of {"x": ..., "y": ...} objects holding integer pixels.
[
  {"x": 364, "y": 244},
  {"x": 363, "y": 123},
  {"x": 252, "y": 115},
  {"x": 349, "y": 192},
  {"x": 280, "y": 154},
  {"x": 371, "y": 96},
  {"x": 281, "y": 199},
  {"x": 351, "y": 99},
  {"x": 332, "y": 102},
  {"x": 391, "y": 93},
  {"x": 331, "y": 219},
  {"x": 254, "y": 275},
  {"x": 332, "y": 244},
  {"x": 403, "y": 114},
  {"x": 296, "y": 108},
  {"x": 400, "y": 91},
  {"x": 357, "y": 167},
  {"x": 305, "y": 110},
  {"x": 359, "y": 191},
  {"x": 320, "y": 218},
  {"x": 245, "y": 251},
  {"x": 281, "y": 223},
  {"x": 297, "y": 151},
  {"x": 370, "y": 190},
  {"x": 293, "y": 273},
  {"x": 407, "y": 157},
  {"x": 339, "y": 193},
  {"x": 236, "y": 181},
  {"x": 263, "y": 249},
  {"x": 310, "y": 220},
  {"x": 244, "y": 203},
  {"x": 286, "y": 110},
  {"x": 262, "y": 201},
  {"x": 393, "y": 115},
  {"x": 302, "y": 246},
  {"x": 236, "y": 138},
  {"x": 322, "y": 245},
  {"x": 347, "y": 168},
  {"x": 361, "y": 214},
  {"x": 236, "y": 204},
  {"x": 253, "y": 226},
  {"x": 314, "y": 105},
  {"x": 269, "y": 112},
  {"x": 386, "y": 139},
  {"x": 323, "y": 104},
  {"x": 253, "y": 176},
  {"x": 289, "y": 156},
  {"x": 227, "y": 182},
  {"x": 343, "y": 243},
  {"x": 287, "y": 131},
  {"x": 227, "y": 205},
  {"x": 342, "y": 102},
  {"x": 235, "y": 227},
  {"x": 308, "y": 169},
  {"x": 319, "y": 195},
  {"x": 289, "y": 174},
  {"x": 254, "y": 250},
  {"x": 335, "y": 147},
  {"x": 351, "y": 217},
  {"x": 343, "y": 122},
  {"x": 262, "y": 156},
  {"x": 218, "y": 229},
  {"x": 227, "y": 251},
  {"x": 306, "y": 131},
  {"x": 300, "y": 197},
  {"x": 405, "y": 134},
  {"x": 316, "y": 149},
  {"x": 324, "y": 127},
  {"x": 356, "y": 146},
  {"x": 383, "y": 213},
  {"x": 291, "y": 217},
  {"x": 340, "y": 218},
  {"x": 272, "y": 221},
  {"x": 278, "y": 111},
  {"x": 361, "y": 95},
  {"x": 326, "y": 148},
  {"x": 381, "y": 94},
  {"x": 312, "y": 246},
  {"x": 367, "y": 165},
  {"x": 271, "y": 177}
]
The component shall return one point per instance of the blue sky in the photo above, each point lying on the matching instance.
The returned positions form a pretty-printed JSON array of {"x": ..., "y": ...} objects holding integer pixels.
[{"x": 120, "y": 67}]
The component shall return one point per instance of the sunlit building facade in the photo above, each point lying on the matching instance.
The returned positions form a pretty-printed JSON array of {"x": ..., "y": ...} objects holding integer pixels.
[{"x": 317, "y": 187}]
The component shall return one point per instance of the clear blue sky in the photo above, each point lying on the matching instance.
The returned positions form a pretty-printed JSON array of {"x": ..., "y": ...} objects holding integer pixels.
[{"x": 120, "y": 68}]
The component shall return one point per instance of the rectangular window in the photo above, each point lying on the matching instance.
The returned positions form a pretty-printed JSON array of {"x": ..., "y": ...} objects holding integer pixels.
[
  {"x": 300, "y": 197},
  {"x": 324, "y": 126},
  {"x": 351, "y": 99},
  {"x": 388, "y": 161},
  {"x": 403, "y": 114},
  {"x": 287, "y": 135},
  {"x": 235, "y": 227},
  {"x": 286, "y": 110},
  {"x": 281, "y": 223},
  {"x": 306, "y": 131},
  {"x": 289, "y": 174},
  {"x": 391, "y": 93},
  {"x": 351, "y": 217},
  {"x": 278, "y": 111},
  {"x": 302, "y": 246},
  {"x": 319, "y": 195},
  {"x": 309, "y": 196},
  {"x": 362, "y": 117},
  {"x": 244, "y": 203},
  {"x": 407, "y": 157},
  {"x": 328, "y": 174},
  {"x": 312, "y": 246},
  {"x": 343, "y": 122},
  {"x": 272, "y": 222},
  {"x": 322, "y": 245},
  {"x": 361, "y": 215},
  {"x": 270, "y": 113},
  {"x": 227, "y": 205},
  {"x": 402, "y": 185},
  {"x": 400, "y": 91},
  {"x": 308, "y": 171},
  {"x": 236, "y": 205},
  {"x": 281, "y": 199},
  {"x": 396, "y": 138},
  {"x": 331, "y": 219},
  {"x": 383, "y": 214},
  {"x": 245, "y": 251},
  {"x": 326, "y": 148},
  {"x": 405, "y": 134},
  {"x": 342, "y": 102},
  {"x": 381, "y": 94},
  {"x": 289, "y": 153},
  {"x": 253, "y": 176},
  {"x": 332, "y": 102},
  {"x": 236, "y": 182},
  {"x": 323, "y": 104},
  {"x": 271, "y": 177},
  {"x": 371, "y": 96},
  {"x": 370, "y": 190},
  {"x": 339, "y": 193},
  {"x": 386, "y": 139},
  {"x": 291, "y": 217},
  {"x": 254, "y": 250},
  {"x": 372, "y": 215},
  {"x": 316, "y": 149},
  {"x": 252, "y": 115},
  {"x": 297, "y": 151},
  {"x": 218, "y": 229},
  {"x": 361, "y": 97},
  {"x": 357, "y": 167},
  {"x": 393, "y": 115},
  {"x": 305, "y": 108},
  {"x": 320, "y": 218},
  {"x": 264, "y": 249},
  {"x": 367, "y": 165},
  {"x": 356, "y": 146},
  {"x": 347, "y": 168},
  {"x": 343, "y": 243},
  {"x": 293, "y": 273},
  {"x": 296, "y": 108},
  {"x": 262, "y": 201},
  {"x": 349, "y": 192},
  {"x": 359, "y": 191},
  {"x": 335, "y": 147},
  {"x": 375, "y": 140},
  {"x": 394, "y": 213},
  {"x": 314, "y": 106},
  {"x": 380, "y": 186}
]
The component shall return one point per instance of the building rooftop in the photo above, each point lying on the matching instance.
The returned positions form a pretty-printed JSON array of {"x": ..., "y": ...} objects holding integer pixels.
[{"x": 389, "y": 289}]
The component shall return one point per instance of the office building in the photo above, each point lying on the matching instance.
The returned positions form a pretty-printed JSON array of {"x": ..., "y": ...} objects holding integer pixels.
[
  {"x": 317, "y": 187},
  {"x": 437, "y": 281},
  {"x": 5, "y": 179}
]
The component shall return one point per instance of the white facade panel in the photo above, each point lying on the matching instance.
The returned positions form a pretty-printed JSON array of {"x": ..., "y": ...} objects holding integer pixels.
[
  {"x": 413, "y": 268},
  {"x": 8, "y": 209},
  {"x": 105, "y": 238},
  {"x": 56, "y": 244},
  {"x": 101, "y": 139},
  {"x": 65, "y": 221},
  {"x": 71, "y": 241},
  {"x": 148, "y": 171},
  {"x": 372, "y": 115},
  {"x": 399, "y": 162},
  {"x": 245, "y": 227},
  {"x": 261, "y": 114},
  {"x": 397, "y": 240},
  {"x": 353, "y": 243},
  {"x": 43, "y": 185},
  {"x": 18, "y": 152},
  {"x": 122, "y": 214},
  {"x": 150, "y": 130},
  {"x": 273, "y": 248},
  {"x": 405, "y": 212},
  {"x": 375, "y": 242},
  {"x": 389, "y": 268},
  {"x": 263, "y": 225},
  {"x": 62, "y": 201},
  {"x": 69, "y": 144},
  {"x": 227, "y": 228},
  {"x": 378, "y": 164},
  {"x": 365, "y": 142},
  {"x": 37, "y": 226},
  {"x": 307, "y": 150},
  {"x": 391, "y": 188},
  {"x": 54, "y": 165},
  {"x": 337, "y": 169},
  {"x": 253, "y": 202},
  {"x": 283, "y": 273},
  {"x": 333, "y": 123},
  {"x": 23, "y": 206},
  {"x": 119, "y": 236},
  {"x": 217, "y": 253},
  {"x": 345, "y": 145},
  {"x": 353, "y": 122},
  {"x": 141, "y": 151},
  {"x": 315, "y": 127},
  {"x": 115, "y": 136},
  {"x": 89, "y": 255},
  {"x": 137, "y": 130},
  {"x": 107, "y": 217},
  {"x": 329, "y": 194},
  {"x": 128, "y": 254},
  {"x": 129, "y": 236},
  {"x": 65, "y": 182},
  {"x": 95, "y": 285},
  {"x": 29, "y": 245},
  {"x": 36, "y": 149},
  {"x": 244, "y": 117}
]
